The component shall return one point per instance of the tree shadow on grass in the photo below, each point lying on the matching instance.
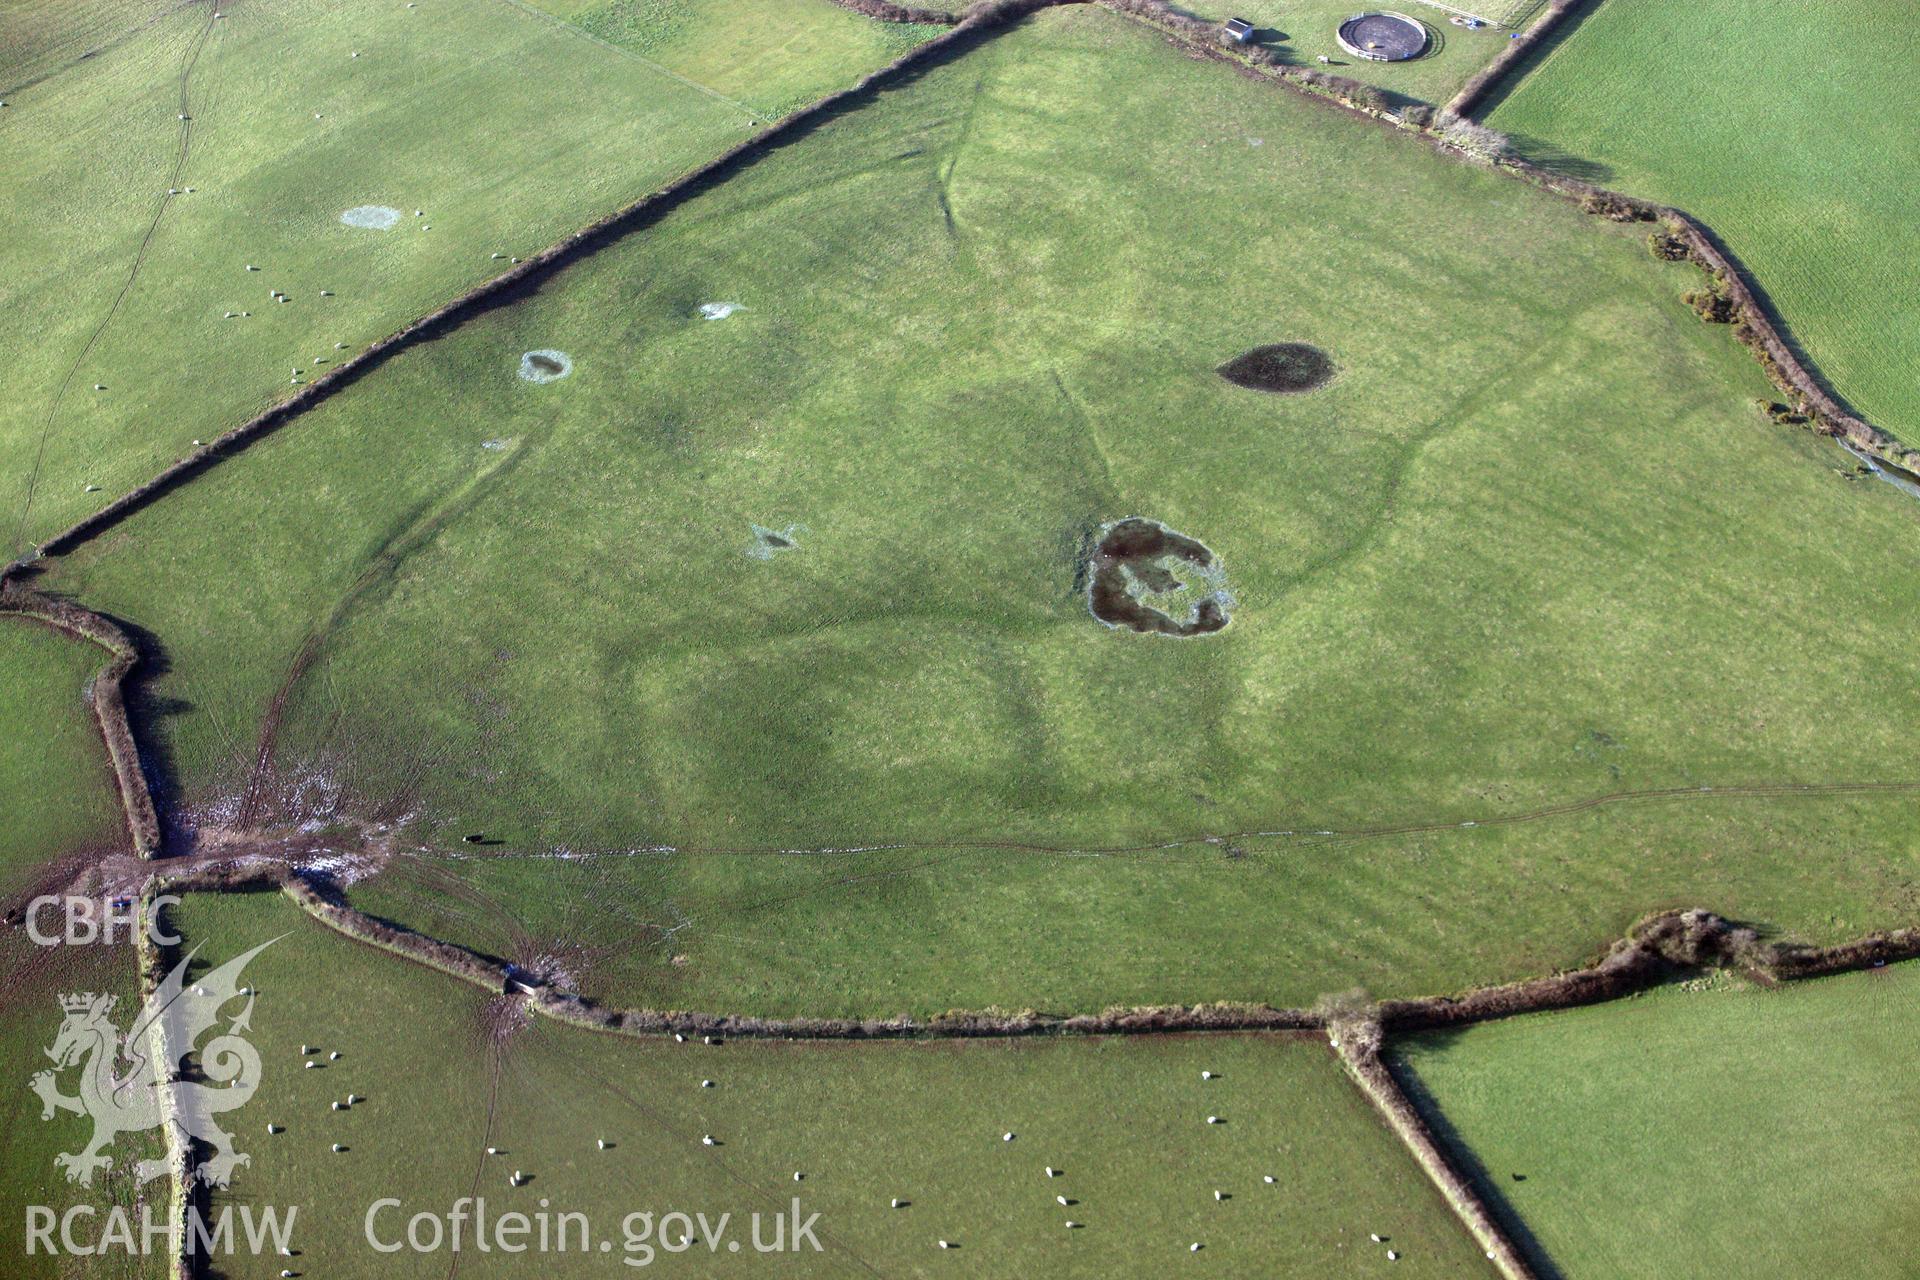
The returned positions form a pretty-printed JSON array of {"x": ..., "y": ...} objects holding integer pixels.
[
  {"x": 148, "y": 710},
  {"x": 1554, "y": 158}
]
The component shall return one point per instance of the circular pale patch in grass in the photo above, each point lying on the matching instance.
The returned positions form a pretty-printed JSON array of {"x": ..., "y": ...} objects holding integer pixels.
[
  {"x": 372, "y": 217},
  {"x": 1146, "y": 577},
  {"x": 1284, "y": 367},
  {"x": 545, "y": 366}
]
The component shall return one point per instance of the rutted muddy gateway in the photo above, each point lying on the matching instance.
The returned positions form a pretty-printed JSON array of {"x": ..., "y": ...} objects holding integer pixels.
[{"x": 1141, "y": 572}]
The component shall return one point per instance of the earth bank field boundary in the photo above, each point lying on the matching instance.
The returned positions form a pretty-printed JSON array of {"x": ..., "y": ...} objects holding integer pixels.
[{"x": 1656, "y": 950}]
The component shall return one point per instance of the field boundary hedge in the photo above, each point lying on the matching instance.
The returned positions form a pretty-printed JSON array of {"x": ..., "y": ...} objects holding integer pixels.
[
  {"x": 884, "y": 11},
  {"x": 108, "y": 699},
  {"x": 1357, "y": 1029},
  {"x": 978, "y": 22},
  {"x": 1360, "y": 1054},
  {"x": 1481, "y": 82},
  {"x": 183, "y": 1192},
  {"x": 1754, "y": 325},
  {"x": 1653, "y": 950}
]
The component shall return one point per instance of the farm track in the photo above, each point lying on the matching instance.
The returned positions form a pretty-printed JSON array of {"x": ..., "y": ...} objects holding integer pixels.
[
  {"x": 189, "y": 61},
  {"x": 92, "y": 51},
  {"x": 1633, "y": 964},
  {"x": 1305, "y": 835}
]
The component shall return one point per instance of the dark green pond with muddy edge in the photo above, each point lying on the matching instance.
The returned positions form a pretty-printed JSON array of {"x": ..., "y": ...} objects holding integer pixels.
[
  {"x": 1148, "y": 578},
  {"x": 1284, "y": 368}
]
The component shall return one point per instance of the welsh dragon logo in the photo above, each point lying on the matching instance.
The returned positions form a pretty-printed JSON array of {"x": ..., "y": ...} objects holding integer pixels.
[{"x": 131, "y": 1082}]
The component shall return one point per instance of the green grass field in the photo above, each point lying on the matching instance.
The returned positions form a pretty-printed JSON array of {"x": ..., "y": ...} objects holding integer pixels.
[
  {"x": 1707, "y": 1129},
  {"x": 1302, "y": 30},
  {"x": 1124, "y": 1118},
  {"x": 505, "y": 127},
  {"x": 1770, "y": 120},
  {"x": 57, "y": 793},
  {"x": 30, "y": 1019},
  {"x": 1532, "y": 546},
  {"x": 769, "y": 54},
  {"x": 922, "y": 931}
]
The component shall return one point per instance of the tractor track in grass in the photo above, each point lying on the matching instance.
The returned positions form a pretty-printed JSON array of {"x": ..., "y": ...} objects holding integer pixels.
[
  {"x": 1303, "y": 835},
  {"x": 93, "y": 51},
  {"x": 190, "y": 59}
]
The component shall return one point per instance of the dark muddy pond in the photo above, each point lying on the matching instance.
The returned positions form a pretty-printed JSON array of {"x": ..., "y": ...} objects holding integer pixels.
[
  {"x": 1285, "y": 367},
  {"x": 1141, "y": 573}
]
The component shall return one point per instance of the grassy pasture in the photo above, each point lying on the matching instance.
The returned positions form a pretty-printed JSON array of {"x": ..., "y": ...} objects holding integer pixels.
[
  {"x": 505, "y": 127},
  {"x": 1532, "y": 545},
  {"x": 769, "y": 54},
  {"x": 921, "y": 931},
  {"x": 865, "y": 1123},
  {"x": 57, "y": 792},
  {"x": 1698, "y": 1130},
  {"x": 30, "y": 1017},
  {"x": 1774, "y": 121}
]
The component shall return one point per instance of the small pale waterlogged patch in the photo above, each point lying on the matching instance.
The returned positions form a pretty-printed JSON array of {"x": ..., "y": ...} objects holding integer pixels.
[
  {"x": 769, "y": 542},
  {"x": 545, "y": 365},
  {"x": 373, "y": 217}
]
